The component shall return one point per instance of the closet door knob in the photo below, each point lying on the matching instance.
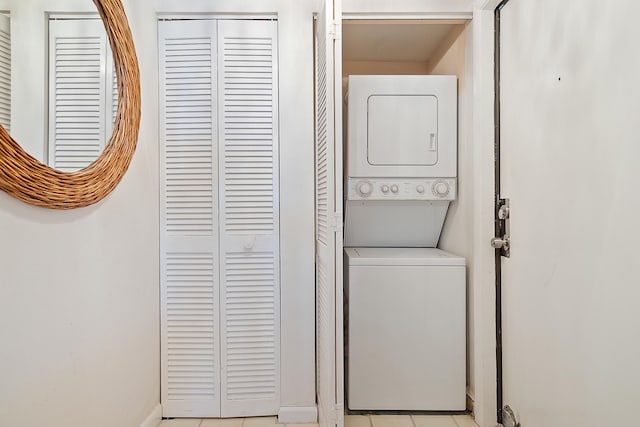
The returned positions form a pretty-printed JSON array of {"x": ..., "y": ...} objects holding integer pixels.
[{"x": 249, "y": 242}]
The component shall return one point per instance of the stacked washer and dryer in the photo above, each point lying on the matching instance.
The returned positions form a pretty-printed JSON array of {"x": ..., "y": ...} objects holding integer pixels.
[{"x": 406, "y": 299}]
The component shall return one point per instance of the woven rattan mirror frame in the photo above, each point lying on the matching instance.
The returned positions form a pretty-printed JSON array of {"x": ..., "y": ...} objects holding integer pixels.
[{"x": 33, "y": 182}]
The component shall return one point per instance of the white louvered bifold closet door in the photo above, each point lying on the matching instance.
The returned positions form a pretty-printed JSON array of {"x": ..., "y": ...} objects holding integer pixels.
[
  {"x": 81, "y": 98},
  {"x": 190, "y": 270},
  {"x": 220, "y": 235},
  {"x": 5, "y": 72},
  {"x": 249, "y": 224},
  {"x": 329, "y": 312}
]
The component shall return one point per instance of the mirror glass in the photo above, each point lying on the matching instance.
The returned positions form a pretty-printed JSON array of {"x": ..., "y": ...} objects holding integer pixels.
[{"x": 58, "y": 90}]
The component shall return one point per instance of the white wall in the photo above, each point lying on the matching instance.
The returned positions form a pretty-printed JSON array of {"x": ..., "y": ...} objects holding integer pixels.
[
  {"x": 406, "y": 7},
  {"x": 79, "y": 294},
  {"x": 384, "y": 67}
]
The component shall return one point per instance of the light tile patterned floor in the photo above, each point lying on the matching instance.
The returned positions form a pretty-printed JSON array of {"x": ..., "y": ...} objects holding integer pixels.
[
  {"x": 391, "y": 421},
  {"x": 349, "y": 421},
  {"x": 230, "y": 422},
  {"x": 409, "y": 421},
  {"x": 224, "y": 422}
]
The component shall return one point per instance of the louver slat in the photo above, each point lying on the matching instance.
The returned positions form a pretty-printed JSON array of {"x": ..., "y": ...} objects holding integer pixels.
[
  {"x": 5, "y": 72},
  {"x": 250, "y": 293},
  {"x": 190, "y": 345}
]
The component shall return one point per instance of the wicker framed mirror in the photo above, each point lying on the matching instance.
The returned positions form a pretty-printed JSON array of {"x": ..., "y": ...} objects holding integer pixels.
[{"x": 28, "y": 179}]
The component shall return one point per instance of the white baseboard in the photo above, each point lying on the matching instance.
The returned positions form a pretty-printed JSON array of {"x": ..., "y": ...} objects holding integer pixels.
[
  {"x": 154, "y": 417},
  {"x": 298, "y": 414}
]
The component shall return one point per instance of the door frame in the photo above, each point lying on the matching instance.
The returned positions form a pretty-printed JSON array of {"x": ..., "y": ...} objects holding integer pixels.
[
  {"x": 498, "y": 202},
  {"x": 484, "y": 307}
]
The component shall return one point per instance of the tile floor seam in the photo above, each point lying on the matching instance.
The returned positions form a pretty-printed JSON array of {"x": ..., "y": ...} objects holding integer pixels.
[
  {"x": 413, "y": 421},
  {"x": 370, "y": 420}
]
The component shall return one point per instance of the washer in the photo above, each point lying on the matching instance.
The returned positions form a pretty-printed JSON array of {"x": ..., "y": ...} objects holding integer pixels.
[{"x": 406, "y": 329}]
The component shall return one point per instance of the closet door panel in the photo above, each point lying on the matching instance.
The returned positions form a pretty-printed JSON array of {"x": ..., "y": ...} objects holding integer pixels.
[
  {"x": 249, "y": 231},
  {"x": 190, "y": 268}
]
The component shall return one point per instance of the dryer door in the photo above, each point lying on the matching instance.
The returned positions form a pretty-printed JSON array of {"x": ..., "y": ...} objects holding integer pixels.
[{"x": 412, "y": 140}]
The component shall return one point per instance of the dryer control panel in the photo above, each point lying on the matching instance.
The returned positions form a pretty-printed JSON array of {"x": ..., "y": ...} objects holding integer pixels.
[{"x": 401, "y": 189}]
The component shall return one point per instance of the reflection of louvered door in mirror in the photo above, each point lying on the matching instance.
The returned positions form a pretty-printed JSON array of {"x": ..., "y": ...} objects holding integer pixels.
[
  {"x": 5, "y": 72},
  {"x": 219, "y": 218},
  {"x": 83, "y": 94}
]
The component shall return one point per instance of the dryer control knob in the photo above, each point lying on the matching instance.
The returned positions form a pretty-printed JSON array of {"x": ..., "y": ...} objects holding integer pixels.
[
  {"x": 385, "y": 188},
  {"x": 440, "y": 189},
  {"x": 365, "y": 188},
  {"x": 394, "y": 188},
  {"x": 420, "y": 189}
]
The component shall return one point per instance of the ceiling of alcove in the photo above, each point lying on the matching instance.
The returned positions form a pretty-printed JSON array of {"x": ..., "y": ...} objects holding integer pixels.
[{"x": 383, "y": 40}]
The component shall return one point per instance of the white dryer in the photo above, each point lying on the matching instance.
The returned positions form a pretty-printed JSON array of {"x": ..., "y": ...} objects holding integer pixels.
[
  {"x": 401, "y": 159},
  {"x": 406, "y": 342},
  {"x": 402, "y": 126}
]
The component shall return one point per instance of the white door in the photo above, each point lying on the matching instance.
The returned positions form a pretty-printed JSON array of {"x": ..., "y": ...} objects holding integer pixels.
[
  {"x": 329, "y": 310},
  {"x": 249, "y": 220},
  {"x": 189, "y": 261},
  {"x": 569, "y": 105},
  {"x": 219, "y": 239}
]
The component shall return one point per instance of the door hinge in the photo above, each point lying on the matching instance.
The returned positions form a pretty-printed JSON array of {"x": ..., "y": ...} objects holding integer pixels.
[
  {"x": 334, "y": 29},
  {"x": 335, "y": 222},
  {"x": 502, "y": 241}
]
